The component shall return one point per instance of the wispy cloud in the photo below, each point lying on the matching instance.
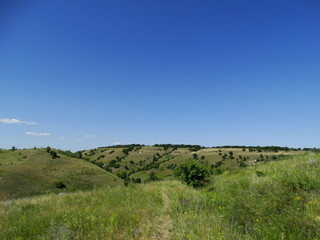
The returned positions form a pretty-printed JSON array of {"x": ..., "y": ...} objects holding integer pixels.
[
  {"x": 116, "y": 143},
  {"x": 16, "y": 121},
  {"x": 37, "y": 134},
  {"x": 89, "y": 136},
  {"x": 62, "y": 137}
]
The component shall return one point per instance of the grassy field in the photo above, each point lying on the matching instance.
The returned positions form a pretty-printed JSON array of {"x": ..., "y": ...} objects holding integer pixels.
[
  {"x": 273, "y": 200},
  {"x": 33, "y": 172}
]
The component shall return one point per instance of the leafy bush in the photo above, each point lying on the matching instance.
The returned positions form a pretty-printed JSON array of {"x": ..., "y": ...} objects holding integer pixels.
[
  {"x": 152, "y": 176},
  {"x": 193, "y": 173},
  {"x": 60, "y": 185}
]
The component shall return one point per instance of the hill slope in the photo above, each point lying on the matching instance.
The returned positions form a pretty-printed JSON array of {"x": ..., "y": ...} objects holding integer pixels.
[
  {"x": 33, "y": 171},
  {"x": 137, "y": 161},
  {"x": 274, "y": 200}
]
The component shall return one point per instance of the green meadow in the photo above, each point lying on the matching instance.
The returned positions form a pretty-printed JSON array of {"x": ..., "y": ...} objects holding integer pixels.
[{"x": 259, "y": 198}]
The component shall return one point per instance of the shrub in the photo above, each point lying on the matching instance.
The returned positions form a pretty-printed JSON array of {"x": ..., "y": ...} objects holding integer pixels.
[
  {"x": 152, "y": 176},
  {"x": 137, "y": 180},
  {"x": 193, "y": 173},
  {"x": 54, "y": 154},
  {"x": 60, "y": 185},
  {"x": 260, "y": 174}
]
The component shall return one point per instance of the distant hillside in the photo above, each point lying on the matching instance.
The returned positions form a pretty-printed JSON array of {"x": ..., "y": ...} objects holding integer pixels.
[
  {"x": 34, "y": 171},
  {"x": 37, "y": 171},
  {"x": 137, "y": 161}
]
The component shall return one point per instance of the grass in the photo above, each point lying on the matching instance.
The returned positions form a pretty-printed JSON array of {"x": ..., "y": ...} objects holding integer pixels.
[
  {"x": 33, "y": 172},
  {"x": 134, "y": 162},
  {"x": 113, "y": 213},
  {"x": 273, "y": 200},
  {"x": 277, "y": 200}
]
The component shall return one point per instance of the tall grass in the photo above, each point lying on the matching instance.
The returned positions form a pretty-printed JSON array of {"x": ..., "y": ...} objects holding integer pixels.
[
  {"x": 194, "y": 217},
  {"x": 114, "y": 213},
  {"x": 278, "y": 200}
]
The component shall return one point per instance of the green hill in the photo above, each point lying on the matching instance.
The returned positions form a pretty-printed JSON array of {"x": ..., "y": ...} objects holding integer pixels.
[
  {"x": 33, "y": 171},
  {"x": 266, "y": 200},
  {"x": 137, "y": 161}
]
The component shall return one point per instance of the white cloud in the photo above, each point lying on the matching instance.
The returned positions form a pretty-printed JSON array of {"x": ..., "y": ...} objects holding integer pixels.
[
  {"x": 16, "y": 121},
  {"x": 116, "y": 143},
  {"x": 76, "y": 140},
  {"x": 89, "y": 136},
  {"x": 38, "y": 134},
  {"x": 62, "y": 137}
]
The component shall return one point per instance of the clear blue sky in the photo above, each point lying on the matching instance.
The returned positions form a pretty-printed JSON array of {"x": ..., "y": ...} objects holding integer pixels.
[{"x": 82, "y": 74}]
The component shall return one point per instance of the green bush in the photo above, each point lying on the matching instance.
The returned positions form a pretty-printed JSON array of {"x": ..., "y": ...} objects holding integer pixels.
[
  {"x": 60, "y": 185},
  {"x": 152, "y": 176},
  {"x": 193, "y": 173}
]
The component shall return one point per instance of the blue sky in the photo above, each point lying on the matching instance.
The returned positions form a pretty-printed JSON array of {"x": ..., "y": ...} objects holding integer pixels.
[{"x": 82, "y": 74}]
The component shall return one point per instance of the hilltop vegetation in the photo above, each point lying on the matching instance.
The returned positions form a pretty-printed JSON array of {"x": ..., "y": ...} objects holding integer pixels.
[{"x": 266, "y": 200}]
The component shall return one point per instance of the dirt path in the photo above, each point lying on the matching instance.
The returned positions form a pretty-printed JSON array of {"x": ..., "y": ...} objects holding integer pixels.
[{"x": 163, "y": 221}]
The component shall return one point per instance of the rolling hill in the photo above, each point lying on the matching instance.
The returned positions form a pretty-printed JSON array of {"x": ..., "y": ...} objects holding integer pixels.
[
  {"x": 33, "y": 171},
  {"x": 266, "y": 200},
  {"x": 137, "y": 161}
]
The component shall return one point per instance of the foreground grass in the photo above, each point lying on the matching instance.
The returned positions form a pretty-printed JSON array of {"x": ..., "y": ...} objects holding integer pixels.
[
  {"x": 114, "y": 213},
  {"x": 277, "y": 200}
]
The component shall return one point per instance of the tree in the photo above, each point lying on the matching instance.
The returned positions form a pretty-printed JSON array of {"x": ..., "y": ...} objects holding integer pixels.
[
  {"x": 193, "y": 173},
  {"x": 54, "y": 154},
  {"x": 137, "y": 180},
  {"x": 48, "y": 149},
  {"x": 152, "y": 176},
  {"x": 78, "y": 154},
  {"x": 60, "y": 185}
]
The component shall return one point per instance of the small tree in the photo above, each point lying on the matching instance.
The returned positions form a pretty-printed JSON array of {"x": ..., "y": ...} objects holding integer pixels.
[
  {"x": 137, "y": 180},
  {"x": 152, "y": 176},
  {"x": 78, "y": 154},
  {"x": 193, "y": 173},
  {"x": 48, "y": 149},
  {"x": 60, "y": 185},
  {"x": 54, "y": 154}
]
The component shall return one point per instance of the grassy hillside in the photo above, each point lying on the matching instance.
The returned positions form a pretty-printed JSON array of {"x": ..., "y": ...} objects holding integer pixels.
[
  {"x": 33, "y": 171},
  {"x": 273, "y": 200},
  {"x": 137, "y": 161},
  {"x": 277, "y": 200}
]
